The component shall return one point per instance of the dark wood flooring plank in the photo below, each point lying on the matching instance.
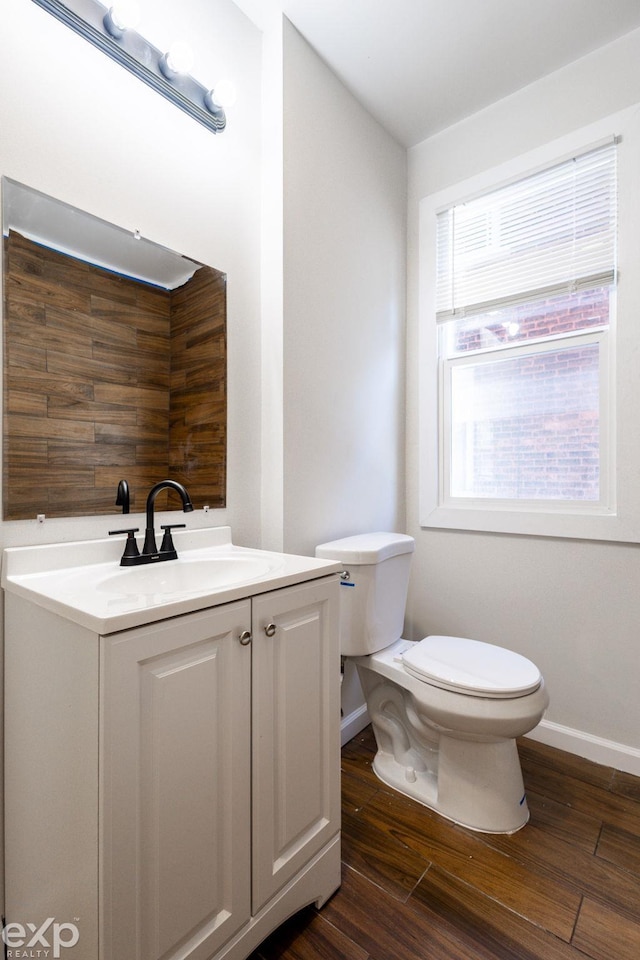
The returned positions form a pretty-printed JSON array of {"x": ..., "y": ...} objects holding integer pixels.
[
  {"x": 308, "y": 936},
  {"x": 380, "y": 857},
  {"x": 389, "y": 930},
  {"x": 563, "y": 822},
  {"x": 565, "y": 763},
  {"x": 580, "y": 795},
  {"x": 483, "y": 923},
  {"x": 626, "y": 785},
  {"x": 357, "y": 757},
  {"x": 359, "y": 767},
  {"x": 577, "y": 870},
  {"x": 603, "y": 934},
  {"x": 365, "y": 741},
  {"x": 535, "y": 895},
  {"x": 621, "y": 848},
  {"x": 356, "y": 791}
]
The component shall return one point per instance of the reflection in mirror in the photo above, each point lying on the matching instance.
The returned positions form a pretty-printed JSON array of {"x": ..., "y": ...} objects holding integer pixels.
[{"x": 114, "y": 365}]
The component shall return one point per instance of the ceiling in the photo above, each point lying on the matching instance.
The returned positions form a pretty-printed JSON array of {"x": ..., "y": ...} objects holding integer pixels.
[{"x": 419, "y": 66}]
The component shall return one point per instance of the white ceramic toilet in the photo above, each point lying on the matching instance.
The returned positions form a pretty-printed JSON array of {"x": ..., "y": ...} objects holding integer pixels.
[{"x": 445, "y": 710}]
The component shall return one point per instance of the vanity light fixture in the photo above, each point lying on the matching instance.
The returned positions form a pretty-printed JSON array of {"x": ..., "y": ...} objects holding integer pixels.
[{"x": 111, "y": 29}]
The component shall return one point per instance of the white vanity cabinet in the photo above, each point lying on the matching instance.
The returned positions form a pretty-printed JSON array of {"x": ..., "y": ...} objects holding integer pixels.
[
  {"x": 296, "y": 720},
  {"x": 175, "y": 784},
  {"x": 172, "y": 790}
]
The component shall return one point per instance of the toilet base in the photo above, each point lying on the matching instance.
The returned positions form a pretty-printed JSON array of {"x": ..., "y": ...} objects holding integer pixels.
[
  {"x": 476, "y": 785},
  {"x": 455, "y": 754}
]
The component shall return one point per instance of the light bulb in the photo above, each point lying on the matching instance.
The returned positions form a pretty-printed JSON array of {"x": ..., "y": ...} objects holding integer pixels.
[
  {"x": 222, "y": 96},
  {"x": 121, "y": 16},
  {"x": 179, "y": 57}
]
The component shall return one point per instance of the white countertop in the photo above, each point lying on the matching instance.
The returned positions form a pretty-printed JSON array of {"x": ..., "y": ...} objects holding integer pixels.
[{"x": 84, "y": 582}]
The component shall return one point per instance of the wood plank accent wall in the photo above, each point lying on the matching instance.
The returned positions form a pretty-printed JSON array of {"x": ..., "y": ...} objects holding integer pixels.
[
  {"x": 198, "y": 395},
  {"x": 87, "y": 385}
]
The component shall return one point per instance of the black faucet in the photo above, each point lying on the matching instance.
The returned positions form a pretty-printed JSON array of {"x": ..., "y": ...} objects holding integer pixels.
[
  {"x": 150, "y": 553},
  {"x": 150, "y": 548}
]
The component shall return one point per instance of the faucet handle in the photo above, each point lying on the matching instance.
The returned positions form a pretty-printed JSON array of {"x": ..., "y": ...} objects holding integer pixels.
[
  {"x": 130, "y": 547},
  {"x": 167, "y": 539}
]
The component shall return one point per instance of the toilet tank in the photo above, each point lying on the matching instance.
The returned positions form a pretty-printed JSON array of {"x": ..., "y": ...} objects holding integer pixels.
[{"x": 374, "y": 594}]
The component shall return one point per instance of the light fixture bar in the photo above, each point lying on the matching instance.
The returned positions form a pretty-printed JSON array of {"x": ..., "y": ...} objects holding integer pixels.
[{"x": 132, "y": 51}]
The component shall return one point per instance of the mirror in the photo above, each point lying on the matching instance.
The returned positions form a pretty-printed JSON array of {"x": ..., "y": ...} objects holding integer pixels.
[{"x": 114, "y": 365}]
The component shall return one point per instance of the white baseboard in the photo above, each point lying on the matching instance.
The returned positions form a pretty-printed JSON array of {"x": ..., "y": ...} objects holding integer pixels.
[
  {"x": 608, "y": 752},
  {"x": 353, "y": 723}
]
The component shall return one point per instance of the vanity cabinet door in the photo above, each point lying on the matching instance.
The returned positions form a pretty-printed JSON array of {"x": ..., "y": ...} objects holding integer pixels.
[
  {"x": 175, "y": 786},
  {"x": 296, "y": 730}
]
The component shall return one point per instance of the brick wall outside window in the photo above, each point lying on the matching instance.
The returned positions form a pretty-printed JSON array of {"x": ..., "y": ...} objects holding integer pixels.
[{"x": 526, "y": 425}]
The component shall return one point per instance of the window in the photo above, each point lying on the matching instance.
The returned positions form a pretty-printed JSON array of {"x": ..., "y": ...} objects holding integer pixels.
[
  {"x": 522, "y": 401},
  {"x": 523, "y": 277}
]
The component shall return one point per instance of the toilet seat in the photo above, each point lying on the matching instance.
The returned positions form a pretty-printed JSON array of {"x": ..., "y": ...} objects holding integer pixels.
[{"x": 471, "y": 667}]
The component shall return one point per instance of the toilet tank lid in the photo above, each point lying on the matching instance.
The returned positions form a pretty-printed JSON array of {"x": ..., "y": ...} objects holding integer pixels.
[{"x": 366, "y": 547}]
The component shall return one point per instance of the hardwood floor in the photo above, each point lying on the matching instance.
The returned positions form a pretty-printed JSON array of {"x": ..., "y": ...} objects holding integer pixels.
[{"x": 415, "y": 887}]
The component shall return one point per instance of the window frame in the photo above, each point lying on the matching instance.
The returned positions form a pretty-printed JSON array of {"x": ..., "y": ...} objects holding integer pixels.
[{"x": 617, "y": 515}]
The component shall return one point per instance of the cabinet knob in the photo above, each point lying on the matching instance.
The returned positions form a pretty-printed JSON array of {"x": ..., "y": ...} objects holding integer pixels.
[
  {"x": 245, "y": 637},
  {"x": 270, "y": 629}
]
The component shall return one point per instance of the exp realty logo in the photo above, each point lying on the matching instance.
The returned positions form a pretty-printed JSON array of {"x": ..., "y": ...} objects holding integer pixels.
[{"x": 28, "y": 941}]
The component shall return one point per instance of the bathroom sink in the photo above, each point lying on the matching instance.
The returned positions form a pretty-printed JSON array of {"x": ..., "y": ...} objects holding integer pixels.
[
  {"x": 84, "y": 582},
  {"x": 183, "y": 576}
]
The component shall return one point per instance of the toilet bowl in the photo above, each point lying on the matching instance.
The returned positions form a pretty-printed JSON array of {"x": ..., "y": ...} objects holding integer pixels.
[{"x": 445, "y": 711}]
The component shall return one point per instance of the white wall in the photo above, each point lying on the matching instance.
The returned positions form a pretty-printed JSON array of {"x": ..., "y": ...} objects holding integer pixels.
[
  {"x": 344, "y": 321},
  {"x": 77, "y": 126},
  {"x": 316, "y": 394},
  {"x": 344, "y": 308},
  {"x": 571, "y": 606}
]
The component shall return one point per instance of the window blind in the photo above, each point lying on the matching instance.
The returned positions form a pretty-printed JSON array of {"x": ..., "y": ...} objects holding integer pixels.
[{"x": 551, "y": 232}]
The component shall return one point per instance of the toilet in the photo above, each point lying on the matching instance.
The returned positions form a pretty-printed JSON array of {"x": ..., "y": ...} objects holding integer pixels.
[{"x": 445, "y": 711}]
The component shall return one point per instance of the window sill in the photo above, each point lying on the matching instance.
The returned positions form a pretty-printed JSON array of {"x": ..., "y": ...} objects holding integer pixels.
[{"x": 564, "y": 521}]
